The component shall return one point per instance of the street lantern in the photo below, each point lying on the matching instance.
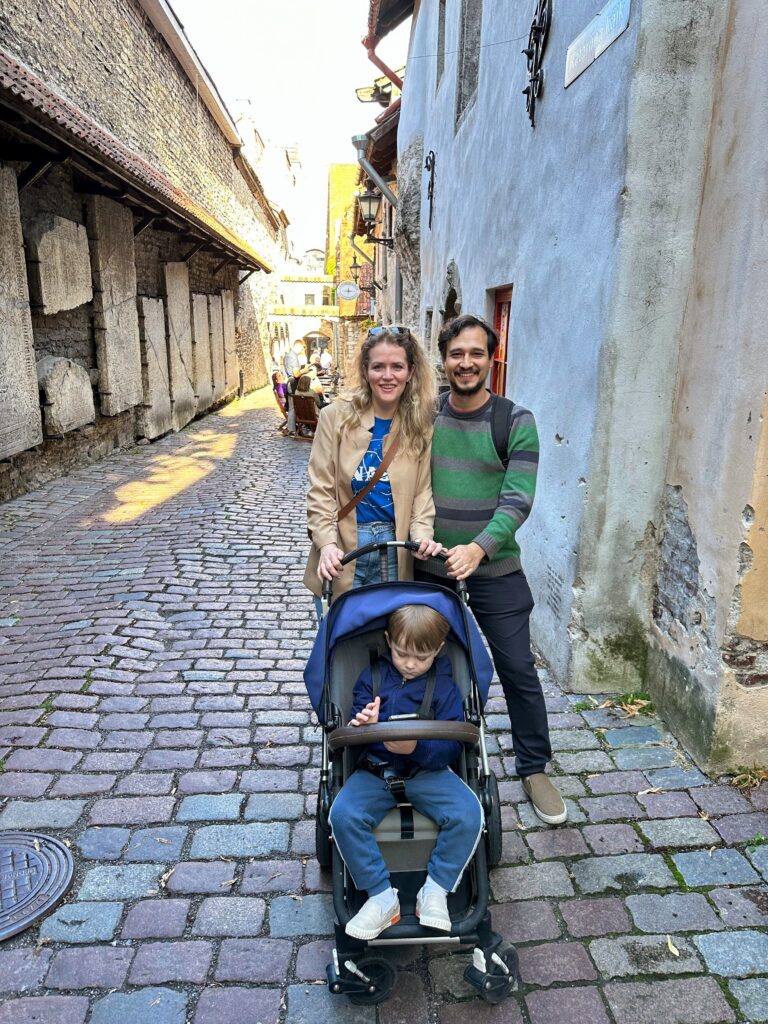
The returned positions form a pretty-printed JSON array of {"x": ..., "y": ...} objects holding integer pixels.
[
  {"x": 370, "y": 202},
  {"x": 355, "y": 268}
]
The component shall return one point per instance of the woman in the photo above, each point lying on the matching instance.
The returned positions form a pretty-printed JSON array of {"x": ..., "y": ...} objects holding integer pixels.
[{"x": 392, "y": 405}]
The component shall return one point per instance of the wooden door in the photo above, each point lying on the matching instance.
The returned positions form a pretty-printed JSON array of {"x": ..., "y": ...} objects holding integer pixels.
[{"x": 501, "y": 319}]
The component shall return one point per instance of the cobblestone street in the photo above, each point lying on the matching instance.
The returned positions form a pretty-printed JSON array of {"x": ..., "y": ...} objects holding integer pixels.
[{"x": 153, "y": 633}]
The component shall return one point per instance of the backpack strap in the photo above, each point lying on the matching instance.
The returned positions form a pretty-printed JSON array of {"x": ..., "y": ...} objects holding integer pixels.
[{"x": 501, "y": 424}]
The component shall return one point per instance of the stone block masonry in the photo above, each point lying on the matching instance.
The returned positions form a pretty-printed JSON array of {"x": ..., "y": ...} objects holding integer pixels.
[
  {"x": 68, "y": 395},
  {"x": 116, "y": 320},
  {"x": 179, "y": 336},
  {"x": 59, "y": 263},
  {"x": 216, "y": 319},
  {"x": 155, "y": 414},
  {"x": 231, "y": 362},
  {"x": 202, "y": 372},
  {"x": 20, "y": 424}
]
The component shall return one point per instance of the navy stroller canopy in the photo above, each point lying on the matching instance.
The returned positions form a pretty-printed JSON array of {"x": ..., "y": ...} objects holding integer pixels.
[{"x": 366, "y": 609}]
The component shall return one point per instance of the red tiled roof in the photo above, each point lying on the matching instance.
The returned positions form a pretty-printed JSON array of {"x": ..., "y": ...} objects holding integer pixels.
[{"x": 22, "y": 89}]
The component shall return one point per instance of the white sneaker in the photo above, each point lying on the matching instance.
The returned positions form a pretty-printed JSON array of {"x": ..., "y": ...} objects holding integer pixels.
[
  {"x": 371, "y": 919},
  {"x": 432, "y": 909}
]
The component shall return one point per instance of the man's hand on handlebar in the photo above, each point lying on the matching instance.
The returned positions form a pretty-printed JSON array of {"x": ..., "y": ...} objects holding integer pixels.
[{"x": 329, "y": 566}]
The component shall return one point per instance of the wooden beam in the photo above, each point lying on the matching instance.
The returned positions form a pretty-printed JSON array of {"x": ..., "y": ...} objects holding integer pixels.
[
  {"x": 144, "y": 223},
  {"x": 195, "y": 248},
  {"x": 222, "y": 265}
]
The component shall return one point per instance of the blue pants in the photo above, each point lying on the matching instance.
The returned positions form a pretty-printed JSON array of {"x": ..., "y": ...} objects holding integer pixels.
[
  {"x": 363, "y": 802},
  {"x": 367, "y": 567}
]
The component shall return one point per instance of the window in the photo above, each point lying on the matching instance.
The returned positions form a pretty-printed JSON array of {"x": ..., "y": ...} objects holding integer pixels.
[
  {"x": 309, "y": 299},
  {"x": 468, "y": 68},
  {"x": 501, "y": 311},
  {"x": 440, "y": 43}
]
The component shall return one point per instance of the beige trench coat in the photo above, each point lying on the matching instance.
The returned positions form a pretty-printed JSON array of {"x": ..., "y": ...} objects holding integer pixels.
[{"x": 332, "y": 464}]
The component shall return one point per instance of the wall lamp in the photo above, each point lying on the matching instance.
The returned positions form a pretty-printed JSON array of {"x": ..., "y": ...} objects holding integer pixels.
[
  {"x": 355, "y": 268},
  {"x": 370, "y": 202}
]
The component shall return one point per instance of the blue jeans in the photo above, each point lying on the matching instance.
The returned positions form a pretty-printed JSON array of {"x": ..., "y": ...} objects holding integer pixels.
[
  {"x": 364, "y": 800},
  {"x": 367, "y": 567}
]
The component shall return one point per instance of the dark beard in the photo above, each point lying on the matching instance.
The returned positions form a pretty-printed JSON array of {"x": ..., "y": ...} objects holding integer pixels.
[{"x": 468, "y": 389}]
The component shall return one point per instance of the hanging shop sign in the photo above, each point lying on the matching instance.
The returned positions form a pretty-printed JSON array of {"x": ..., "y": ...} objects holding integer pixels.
[
  {"x": 347, "y": 290},
  {"x": 604, "y": 29}
]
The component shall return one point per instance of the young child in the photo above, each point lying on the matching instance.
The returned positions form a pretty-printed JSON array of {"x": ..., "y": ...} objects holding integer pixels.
[{"x": 415, "y": 635}]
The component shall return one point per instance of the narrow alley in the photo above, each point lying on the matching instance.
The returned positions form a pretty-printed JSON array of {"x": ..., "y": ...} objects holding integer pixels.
[{"x": 153, "y": 632}]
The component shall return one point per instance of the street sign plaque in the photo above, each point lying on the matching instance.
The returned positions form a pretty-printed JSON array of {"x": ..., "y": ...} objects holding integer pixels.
[{"x": 604, "y": 29}]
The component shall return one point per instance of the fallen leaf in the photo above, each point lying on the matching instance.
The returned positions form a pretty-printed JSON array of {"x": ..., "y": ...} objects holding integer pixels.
[
  {"x": 294, "y": 896},
  {"x": 704, "y": 815},
  {"x": 229, "y": 881},
  {"x": 160, "y": 839},
  {"x": 653, "y": 789},
  {"x": 672, "y": 947}
]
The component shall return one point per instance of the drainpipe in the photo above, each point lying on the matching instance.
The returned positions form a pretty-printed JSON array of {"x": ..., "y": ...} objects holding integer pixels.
[
  {"x": 370, "y": 43},
  {"x": 360, "y": 142}
]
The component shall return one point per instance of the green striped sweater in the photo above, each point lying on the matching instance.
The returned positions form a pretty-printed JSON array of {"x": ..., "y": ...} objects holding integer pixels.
[{"x": 475, "y": 499}]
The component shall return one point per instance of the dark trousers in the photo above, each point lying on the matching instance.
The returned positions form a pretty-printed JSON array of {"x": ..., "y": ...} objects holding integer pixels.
[{"x": 502, "y": 606}]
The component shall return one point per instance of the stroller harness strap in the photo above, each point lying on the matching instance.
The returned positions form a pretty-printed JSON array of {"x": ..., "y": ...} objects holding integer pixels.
[
  {"x": 395, "y": 782},
  {"x": 425, "y": 711}
]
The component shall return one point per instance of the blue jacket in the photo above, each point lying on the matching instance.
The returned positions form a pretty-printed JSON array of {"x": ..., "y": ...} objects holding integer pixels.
[{"x": 404, "y": 697}]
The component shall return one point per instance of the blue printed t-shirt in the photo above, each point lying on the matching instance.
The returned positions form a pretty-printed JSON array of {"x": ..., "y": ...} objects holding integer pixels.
[{"x": 377, "y": 506}]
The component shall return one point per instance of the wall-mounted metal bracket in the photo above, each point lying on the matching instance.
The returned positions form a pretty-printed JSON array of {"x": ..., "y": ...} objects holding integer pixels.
[
  {"x": 429, "y": 165},
  {"x": 534, "y": 55}
]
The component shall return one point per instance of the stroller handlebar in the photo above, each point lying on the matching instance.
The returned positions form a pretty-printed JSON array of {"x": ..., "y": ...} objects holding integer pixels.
[
  {"x": 387, "y": 732},
  {"x": 409, "y": 545}
]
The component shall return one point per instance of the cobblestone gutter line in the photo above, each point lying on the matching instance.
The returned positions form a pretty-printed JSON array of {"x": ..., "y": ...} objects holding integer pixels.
[{"x": 153, "y": 631}]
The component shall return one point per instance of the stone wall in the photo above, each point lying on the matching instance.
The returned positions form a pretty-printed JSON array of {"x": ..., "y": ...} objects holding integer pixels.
[{"x": 89, "y": 279}]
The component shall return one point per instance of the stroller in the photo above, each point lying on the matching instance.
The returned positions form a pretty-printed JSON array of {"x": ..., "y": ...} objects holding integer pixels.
[{"x": 350, "y": 637}]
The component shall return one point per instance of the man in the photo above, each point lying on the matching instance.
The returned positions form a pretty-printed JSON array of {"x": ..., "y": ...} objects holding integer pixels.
[
  {"x": 295, "y": 358},
  {"x": 482, "y": 497}
]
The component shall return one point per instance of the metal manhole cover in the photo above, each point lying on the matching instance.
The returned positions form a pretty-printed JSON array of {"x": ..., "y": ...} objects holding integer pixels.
[{"x": 35, "y": 872}]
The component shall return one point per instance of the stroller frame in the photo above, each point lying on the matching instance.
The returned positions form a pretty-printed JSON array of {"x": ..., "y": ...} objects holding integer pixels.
[{"x": 366, "y": 978}]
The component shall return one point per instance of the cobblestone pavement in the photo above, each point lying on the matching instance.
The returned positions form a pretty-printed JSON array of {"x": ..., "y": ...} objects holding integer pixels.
[{"x": 153, "y": 631}]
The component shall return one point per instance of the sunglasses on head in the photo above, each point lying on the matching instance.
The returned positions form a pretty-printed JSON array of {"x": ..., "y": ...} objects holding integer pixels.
[{"x": 387, "y": 329}]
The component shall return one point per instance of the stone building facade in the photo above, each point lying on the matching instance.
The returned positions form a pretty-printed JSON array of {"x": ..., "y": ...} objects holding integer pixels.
[
  {"x": 611, "y": 236},
  {"x": 137, "y": 241}
]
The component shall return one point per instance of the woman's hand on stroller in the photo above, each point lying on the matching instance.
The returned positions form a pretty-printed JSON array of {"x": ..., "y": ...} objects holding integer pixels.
[
  {"x": 428, "y": 548},
  {"x": 329, "y": 566},
  {"x": 369, "y": 715}
]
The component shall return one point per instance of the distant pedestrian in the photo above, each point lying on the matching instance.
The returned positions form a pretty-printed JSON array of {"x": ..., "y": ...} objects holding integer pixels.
[{"x": 295, "y": 358}]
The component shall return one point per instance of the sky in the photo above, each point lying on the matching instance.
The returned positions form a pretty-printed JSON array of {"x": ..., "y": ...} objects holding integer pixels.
[{"x": 298, "y": 62}]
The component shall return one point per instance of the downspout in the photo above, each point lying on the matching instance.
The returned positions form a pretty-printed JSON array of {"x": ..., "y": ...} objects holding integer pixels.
[
  {"x": 370, "y": 43},
  {"x": 360, "y": 142}
]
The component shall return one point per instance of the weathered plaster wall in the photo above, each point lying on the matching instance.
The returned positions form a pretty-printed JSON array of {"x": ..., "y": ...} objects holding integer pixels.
[
  {"x": 540, "y": 210},
  {"x": 710, "y": 649},
  {"x": 670, "y": 108}
]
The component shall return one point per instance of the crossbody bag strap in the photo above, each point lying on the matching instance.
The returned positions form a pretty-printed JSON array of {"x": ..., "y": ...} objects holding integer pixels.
[{"x": 382, "y": 467}]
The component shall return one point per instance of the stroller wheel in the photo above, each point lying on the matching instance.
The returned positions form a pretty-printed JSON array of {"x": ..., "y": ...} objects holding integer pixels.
[
  {"x": 382, "y": 977},
  {"x": 493, "y": 833},
  {"x": 501, "y": 986}
]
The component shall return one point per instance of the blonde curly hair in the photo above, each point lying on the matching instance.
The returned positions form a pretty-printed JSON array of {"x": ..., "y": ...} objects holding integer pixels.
[{"x": 416, "y": 410}]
